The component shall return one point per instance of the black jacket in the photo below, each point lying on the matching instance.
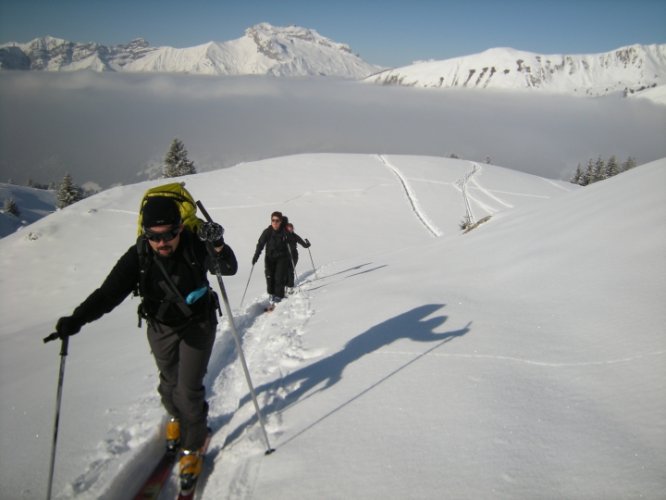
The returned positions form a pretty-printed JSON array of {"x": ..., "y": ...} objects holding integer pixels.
[
  {"x": 187, "y": 269},
  {"x": 275, "y": 243}
]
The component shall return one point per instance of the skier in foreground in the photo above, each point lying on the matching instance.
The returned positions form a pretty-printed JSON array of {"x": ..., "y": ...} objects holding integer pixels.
[
  {"x": 166, "y": 265},
  {"x": 276, "y": 261}
]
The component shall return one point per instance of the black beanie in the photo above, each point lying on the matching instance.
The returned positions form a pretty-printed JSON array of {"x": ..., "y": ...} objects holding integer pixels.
[{"x": 160, "y": 211}]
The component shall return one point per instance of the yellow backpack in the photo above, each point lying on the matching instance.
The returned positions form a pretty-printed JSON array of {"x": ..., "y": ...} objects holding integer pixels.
[{"x": 185, "y": 201}]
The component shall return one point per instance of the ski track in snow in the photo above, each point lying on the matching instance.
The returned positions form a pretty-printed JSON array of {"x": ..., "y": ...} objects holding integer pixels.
[
  {"x": 272, "y": 341},
  {"x": 470, "y": 182},
  {"x": 461, "y": 185},
  {"x": 555, "y": 184},
  {"x": 411, "y": 197},
  {"x": 489, "y": 194}
]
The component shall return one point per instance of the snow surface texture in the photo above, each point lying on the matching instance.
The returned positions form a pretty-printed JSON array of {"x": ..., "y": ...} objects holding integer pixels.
[
  {"x": 33, "y": 204},
  {"x": 524, "y": 359}
]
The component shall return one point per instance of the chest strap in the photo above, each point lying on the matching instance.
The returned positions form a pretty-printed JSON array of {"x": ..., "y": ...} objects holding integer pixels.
[{"x": 172, "y": 294}]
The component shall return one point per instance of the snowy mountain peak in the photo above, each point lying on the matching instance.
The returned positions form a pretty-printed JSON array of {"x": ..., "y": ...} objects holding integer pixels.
[
  {"x": 629, "y": 69},
  {"x": 273, "y": 41},
  {"x": 264, "y": 49},
  {"x": 49, "y": 42}
]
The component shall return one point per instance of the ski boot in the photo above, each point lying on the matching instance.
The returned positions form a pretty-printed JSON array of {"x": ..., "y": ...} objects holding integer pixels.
[
  {"x": 172, "y": 435},
  {"x": 191, "y": 463}
]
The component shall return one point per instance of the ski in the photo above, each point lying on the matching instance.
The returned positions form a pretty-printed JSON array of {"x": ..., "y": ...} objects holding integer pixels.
[
  {"x": 158, "y": 477},
  {"x": 188, "y": 490}
]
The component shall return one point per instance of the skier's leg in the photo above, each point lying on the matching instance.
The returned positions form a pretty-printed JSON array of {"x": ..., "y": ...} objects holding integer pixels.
[
  {"x": 282, "y": 268},
  {"x": 163, "y": 343},
  {"x": 269, "y": 271},
  {"x": 189, "y": 394}
]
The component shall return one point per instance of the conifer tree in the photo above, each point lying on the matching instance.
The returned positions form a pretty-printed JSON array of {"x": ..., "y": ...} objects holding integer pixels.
[
  {"x": 68, "y": 192},
  {"x": 576, "y": 179},
  {"x": 10, "y": 207},
  {"x": 612, "y": 167},
  {"x": 629, "y": 164},
  {"x": 176, "y": 162},
  {"x": 588, "y": 176},
  {"x": 599, "y": 170}
]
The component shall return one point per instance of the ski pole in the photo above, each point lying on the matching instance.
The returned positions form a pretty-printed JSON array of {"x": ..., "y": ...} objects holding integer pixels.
[
  {"x": 239, "y": 347},
  {"x": 314, "y": 269},
  {"x": 248, "y": 284},
  {"x": 61, "y": 377}
]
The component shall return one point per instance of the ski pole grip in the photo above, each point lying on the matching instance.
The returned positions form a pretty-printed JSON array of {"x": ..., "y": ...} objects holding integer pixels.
[
  {"x": 53, "y": 336},
  {"x": 204, "y": 211}
]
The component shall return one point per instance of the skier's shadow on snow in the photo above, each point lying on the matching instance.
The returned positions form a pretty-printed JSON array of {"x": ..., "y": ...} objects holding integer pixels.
[{"x": 415, "y": 325}]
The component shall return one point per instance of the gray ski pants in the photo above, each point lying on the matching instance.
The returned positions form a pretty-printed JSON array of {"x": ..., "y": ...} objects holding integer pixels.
[{"x": 182, "y": 357}]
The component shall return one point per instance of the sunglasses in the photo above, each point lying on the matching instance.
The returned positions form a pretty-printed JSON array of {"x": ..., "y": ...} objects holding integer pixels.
[
  {"x": 276, "y": 220},
  {"x": 164, "y": 236}
]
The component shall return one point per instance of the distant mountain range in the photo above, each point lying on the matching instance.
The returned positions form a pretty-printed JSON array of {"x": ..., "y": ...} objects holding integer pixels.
[
  {"x": 628, "y": 69},
  {"x": 296, "y": 52},
  {"x": 263, "y": 50}
]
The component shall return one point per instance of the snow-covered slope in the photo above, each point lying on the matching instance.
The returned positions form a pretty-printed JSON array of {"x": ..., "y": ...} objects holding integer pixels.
[
  {"x": 263, "y": 50},
  {"x": 524, "y": 359},
  {"x": 32, "y": 204},
  {"x": 629, "y": 69}
]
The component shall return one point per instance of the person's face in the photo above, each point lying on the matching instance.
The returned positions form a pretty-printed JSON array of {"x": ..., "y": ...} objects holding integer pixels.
[
  {"x": 275, "y": 222},
  {"x": 164, "y": 239}
]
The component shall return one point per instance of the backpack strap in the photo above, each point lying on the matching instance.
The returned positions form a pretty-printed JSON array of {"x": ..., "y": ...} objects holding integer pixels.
[
  {"x": 172, "y": 294},
  {"x": 144, "y": 263},
  {"x": 140, "y": 286}
]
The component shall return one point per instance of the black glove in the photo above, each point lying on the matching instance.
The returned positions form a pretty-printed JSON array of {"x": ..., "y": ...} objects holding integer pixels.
[
  {"x": 212, "y": 232},
  {"x": 307, "y": 243},
  {"x": 255, "y": 259},
  {"x": 68, "y": 325}
]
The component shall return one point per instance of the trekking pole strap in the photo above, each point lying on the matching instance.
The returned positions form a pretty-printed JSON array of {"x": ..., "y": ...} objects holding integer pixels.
[{"x": 53, "y": 336}]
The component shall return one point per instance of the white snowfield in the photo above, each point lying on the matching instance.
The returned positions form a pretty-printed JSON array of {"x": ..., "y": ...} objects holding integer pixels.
[{"x": 524, "y": 359}]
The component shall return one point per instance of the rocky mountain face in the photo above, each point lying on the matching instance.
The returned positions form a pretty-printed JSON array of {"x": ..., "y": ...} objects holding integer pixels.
[
  {"x": 263, "y": 50},
  {"x": 628, "y": 69},
  {"x": 54, "y": 54}
]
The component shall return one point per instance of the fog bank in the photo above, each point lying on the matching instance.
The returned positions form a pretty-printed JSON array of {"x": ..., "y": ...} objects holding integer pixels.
[{"x": 113, "y": 128}]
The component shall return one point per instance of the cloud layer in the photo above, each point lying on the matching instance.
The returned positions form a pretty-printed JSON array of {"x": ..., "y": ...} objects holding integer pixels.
[{"x": 112, "y": 128}]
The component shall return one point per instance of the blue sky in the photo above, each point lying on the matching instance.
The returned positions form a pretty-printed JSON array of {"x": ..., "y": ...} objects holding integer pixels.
[{"x": 383, "y": 32}]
